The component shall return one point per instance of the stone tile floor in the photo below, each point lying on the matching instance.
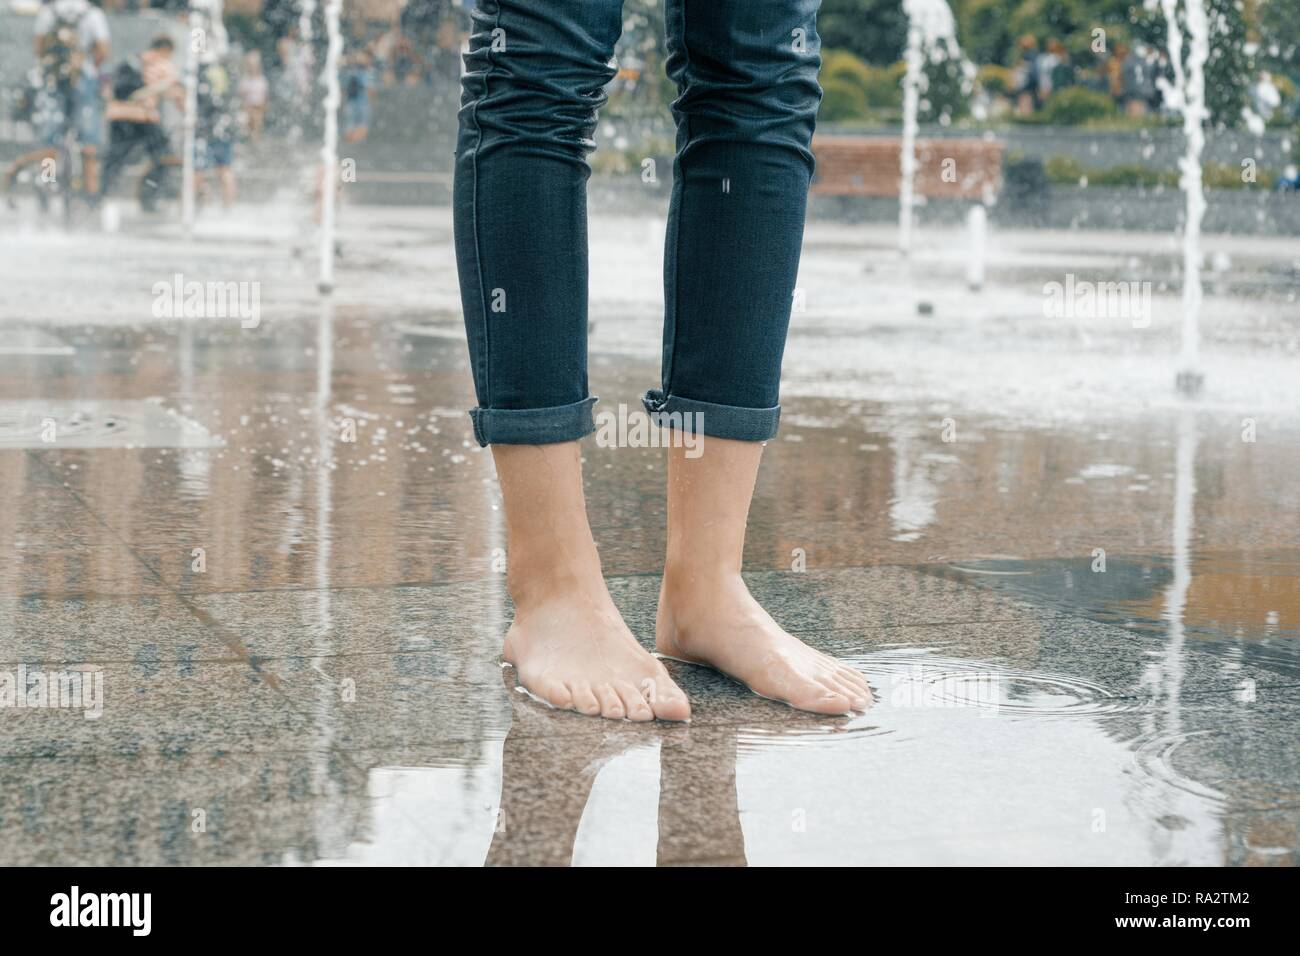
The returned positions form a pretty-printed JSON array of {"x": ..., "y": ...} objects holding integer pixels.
[{"x": 297, "y": 634}]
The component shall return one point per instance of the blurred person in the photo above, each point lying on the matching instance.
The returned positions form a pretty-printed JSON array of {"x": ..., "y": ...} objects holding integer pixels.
[
  {"x": 384, "y": 51},
  {"x": 1025, "y": 76},
  {"x": 71, "y": 45},
  {"x": 421, "y": 21},
  {"x": 356, "y": 80},
  {"x": 745, "y": 117},
  {"x": 1162, "y": 74},
  {"x": 216, "y": 128},
  {"x": 140, "y": 85},
  {"x": 254, "y": 91},
  {"x": 1052, "y": 71},
  {"x": 408, "y": 65},
  {"x": 1133, "y": 77},
  {"x": 1112, "y": 71},
  {"x": 1265, "y": 97},
  {"x": 295, "y": 66}
]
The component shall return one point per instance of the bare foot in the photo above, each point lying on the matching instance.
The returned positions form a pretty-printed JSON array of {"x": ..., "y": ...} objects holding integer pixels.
[
  {"x": 573, "y": 651},
  {"x": 568, "y": 642},
  {"x": 714, "y": 620}
]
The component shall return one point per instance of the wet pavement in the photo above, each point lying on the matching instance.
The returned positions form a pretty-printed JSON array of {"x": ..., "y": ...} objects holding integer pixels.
[{"x": 278, "y": 547}]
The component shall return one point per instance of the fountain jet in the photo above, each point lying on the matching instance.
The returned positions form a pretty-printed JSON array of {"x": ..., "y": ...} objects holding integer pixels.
[
  {"x": 1187, "y": 95},
  {"x": 931, "y": 34}
]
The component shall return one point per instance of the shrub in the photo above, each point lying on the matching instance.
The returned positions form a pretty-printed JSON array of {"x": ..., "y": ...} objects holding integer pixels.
[
  {"x": 1075, "y": 106},
  {"x": 996, "y": 80},
  {"x": 1131, "y": 174},
  {"x": 842, "y": 100},
  {"x": 843, "y": 65},
  {"x": 885, "y": 86},
  {"x": 1224, "y": 176},
  {"x": 1063, "y": 170}
]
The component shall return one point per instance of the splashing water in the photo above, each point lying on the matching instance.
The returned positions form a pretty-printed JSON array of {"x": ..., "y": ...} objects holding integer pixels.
[
  {"x": 329, "y": 150},
  {"x": 207, "y": 43},
  {"x": 303, "y": 64},
  {"x": 191, "y": 119},
  {"x": 305, "y": 12},
  {"x": 932, "y": 34},
  {"x": 1187, "y": 95}
]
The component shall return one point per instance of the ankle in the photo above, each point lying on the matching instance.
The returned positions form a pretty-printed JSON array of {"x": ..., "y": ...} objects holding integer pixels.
[
  {"x": 533, "y": 583},
  {"x": 688, "y": 584},
  {"x": 705, "y": 570}
]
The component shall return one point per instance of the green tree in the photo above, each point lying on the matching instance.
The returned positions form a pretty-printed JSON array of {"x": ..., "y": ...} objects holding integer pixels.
[
  {"x": 1229, "y": 70},
  {"x": 873, "y": 30}
]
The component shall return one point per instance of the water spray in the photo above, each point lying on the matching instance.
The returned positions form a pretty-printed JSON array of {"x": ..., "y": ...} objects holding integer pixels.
[
  {"x": 207, "y": 43},
  {"x": 931, "y": 34},
  {"x": 189, "y": 140},
  {"x": 329, "y": 149},
  {"x": 1187, "y": 95}
]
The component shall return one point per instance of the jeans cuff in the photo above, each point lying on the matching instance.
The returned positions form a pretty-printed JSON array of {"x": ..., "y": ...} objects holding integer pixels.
[
  {"x": 534, "y": 426},
  {"x": 712, "y": 419}
]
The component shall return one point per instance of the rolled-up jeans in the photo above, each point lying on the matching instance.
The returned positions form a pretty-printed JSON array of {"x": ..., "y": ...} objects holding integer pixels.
[{"x": 536, "y": 71}]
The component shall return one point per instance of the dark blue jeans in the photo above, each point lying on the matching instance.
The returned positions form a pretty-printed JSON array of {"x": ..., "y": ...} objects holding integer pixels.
[{"x": 746, "y": 75}]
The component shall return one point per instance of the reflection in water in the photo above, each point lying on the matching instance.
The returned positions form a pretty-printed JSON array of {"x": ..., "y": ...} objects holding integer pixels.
[
  {"x": 330, "y": 814},
  {"x": 1183, "y": 810},
  {"x": 1168, "y": 677},
  {"x": 912, "y": 507},
  {"x": 547, "y": 776}
]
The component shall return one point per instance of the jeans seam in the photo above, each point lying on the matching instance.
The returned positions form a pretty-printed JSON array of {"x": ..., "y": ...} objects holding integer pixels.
[
  {"x": 680, "y": 189},
  {"x": 478, "y": 249}
]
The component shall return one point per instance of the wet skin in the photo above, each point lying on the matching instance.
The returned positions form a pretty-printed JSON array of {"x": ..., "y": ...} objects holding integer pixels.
[
  {"x": 706, "y": 613},
  {"x": 568, "y": 641}
]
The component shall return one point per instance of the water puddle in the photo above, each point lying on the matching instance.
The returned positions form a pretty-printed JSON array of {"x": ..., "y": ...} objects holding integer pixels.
[
  {"x": 1246, "y": 610},
  {"x": 923, "y": 680},
  {"x": 90, "y": 423}
]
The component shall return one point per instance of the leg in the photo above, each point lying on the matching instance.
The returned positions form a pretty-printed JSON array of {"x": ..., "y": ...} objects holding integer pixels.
[
  {"x": 707, "y": 615},
  {"x": 568, "y": 642},
  {"x": 746, "y": 71},
  {"x": 535, "y": 74},
  {"x": 90, "y": 169},
  {"x": 123, "y": 136},
  {"x": 154, "y": 183},
  {"x": 227, "y": 176},
  {"x": 27, "y": 159},
  {"x": 90, "y": 120}
]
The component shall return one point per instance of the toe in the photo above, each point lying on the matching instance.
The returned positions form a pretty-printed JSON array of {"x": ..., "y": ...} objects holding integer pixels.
[
  {"x": 823, "y": 697},
  {"x": 634, "y": 702},
  {"x": 667, "y": 700},
  {"x": 556, "y": 693},
  {"x": 853, "y": 679},
  {"x": 611, "y": 705},
  {"x": 850, "y": 691},
  {"x": 584, "y": 701}
]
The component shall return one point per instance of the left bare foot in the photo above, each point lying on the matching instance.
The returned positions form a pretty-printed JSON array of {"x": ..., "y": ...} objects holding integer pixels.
[{"x": 712, "y": 619}]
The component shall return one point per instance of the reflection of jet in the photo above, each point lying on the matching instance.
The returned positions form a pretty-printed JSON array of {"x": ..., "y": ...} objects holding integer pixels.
[{"x": 548, "y": 771}]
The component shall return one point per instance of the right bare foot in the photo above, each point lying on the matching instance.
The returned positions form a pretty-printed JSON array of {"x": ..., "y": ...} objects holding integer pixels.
[{"x": 572, "y": 650}]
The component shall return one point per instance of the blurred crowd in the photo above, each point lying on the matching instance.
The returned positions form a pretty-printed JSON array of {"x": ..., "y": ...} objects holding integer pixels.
[
  {"x": 1133, "y": 77},
  {"x": 259, "y": 69}
]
